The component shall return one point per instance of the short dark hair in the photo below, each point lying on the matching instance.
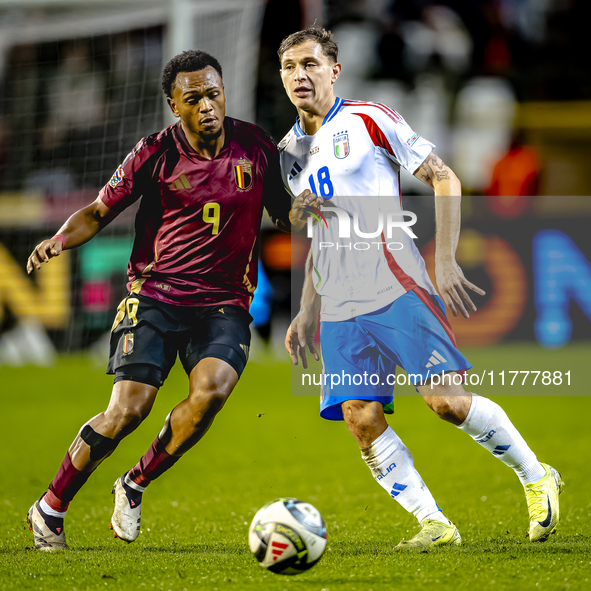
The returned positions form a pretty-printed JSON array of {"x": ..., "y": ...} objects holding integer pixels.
[
  {"x": 314, "y": 33},
  {"x": 192, "y": 60}
]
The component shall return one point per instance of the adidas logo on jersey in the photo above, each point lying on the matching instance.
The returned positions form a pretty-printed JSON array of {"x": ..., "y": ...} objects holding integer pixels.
[
  {"x": 179, "y": 184},
  {"x": 435, "y": 359},
  {"x": 295, "y": 169}
]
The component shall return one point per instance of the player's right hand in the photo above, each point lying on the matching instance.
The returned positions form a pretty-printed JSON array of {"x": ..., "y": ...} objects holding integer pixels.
[
  {"x": 300, "y": 335},
  {"x": 308, "y": 199},
  {"x": 300, "y": 207},
  {"x": 43, "y": 252}
]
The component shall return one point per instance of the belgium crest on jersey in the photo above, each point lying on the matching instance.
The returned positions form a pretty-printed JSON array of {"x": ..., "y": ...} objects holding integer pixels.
[
  {"x": 243, "y": 174},
  {"x": 128, "y": 343},
  {"x": 340, "y": 142}
]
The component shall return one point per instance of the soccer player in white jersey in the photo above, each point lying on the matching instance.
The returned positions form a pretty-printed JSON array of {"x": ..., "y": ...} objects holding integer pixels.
[{"x": 378, "y": 308}]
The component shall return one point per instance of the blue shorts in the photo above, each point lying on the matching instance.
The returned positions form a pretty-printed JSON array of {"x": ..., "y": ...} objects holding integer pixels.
[{"x": 362, "y": 353}]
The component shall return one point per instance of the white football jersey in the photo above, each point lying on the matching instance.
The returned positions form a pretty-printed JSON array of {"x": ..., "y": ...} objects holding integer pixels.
[{"x": 363, "y": 259}]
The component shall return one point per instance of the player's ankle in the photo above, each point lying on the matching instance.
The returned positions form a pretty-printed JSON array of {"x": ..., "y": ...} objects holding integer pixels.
[
  {"x": 53, "y": 506},
  {"x": 530, "y": 472},
  {"x": 437, "y": 516},
  {"x": 133, "y": 490},
  {"x": 53, "y": 520}
]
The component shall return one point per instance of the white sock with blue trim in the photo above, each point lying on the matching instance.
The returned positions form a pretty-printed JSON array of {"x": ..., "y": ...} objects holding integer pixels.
[
  {"x": 391, "y": 465},
  {"x": 488, "y": 424}
]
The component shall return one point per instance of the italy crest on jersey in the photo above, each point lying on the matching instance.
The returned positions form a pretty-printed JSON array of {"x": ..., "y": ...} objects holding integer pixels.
[
  {"x": 340, "y": 142},
  {"x": 243, "y": 174}
]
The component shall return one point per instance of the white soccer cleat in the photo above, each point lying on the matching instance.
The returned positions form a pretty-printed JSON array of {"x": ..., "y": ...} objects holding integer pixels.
[
  {"x": 127, "y": 515},
  {"x": 49, "y": 537}
]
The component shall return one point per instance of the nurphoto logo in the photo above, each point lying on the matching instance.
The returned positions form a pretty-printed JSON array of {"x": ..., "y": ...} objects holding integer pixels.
[{"x": 386, "y": 223}]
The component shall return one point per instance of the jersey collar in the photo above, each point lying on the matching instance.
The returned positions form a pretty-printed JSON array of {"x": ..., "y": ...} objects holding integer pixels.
[
  {"x": 188, "y": 149},
  {"x": 330, "y": 115}
]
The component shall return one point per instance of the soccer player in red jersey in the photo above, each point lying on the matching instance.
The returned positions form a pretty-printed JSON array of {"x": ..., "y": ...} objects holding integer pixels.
[{"x": 204, "y": 183}]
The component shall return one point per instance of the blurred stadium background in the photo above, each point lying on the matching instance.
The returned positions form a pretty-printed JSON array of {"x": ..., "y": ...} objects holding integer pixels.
[{"x": 501, "y": 86}]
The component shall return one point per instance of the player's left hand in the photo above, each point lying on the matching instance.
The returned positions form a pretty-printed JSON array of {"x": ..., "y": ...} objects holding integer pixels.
[
  {"x": 451, "y": 283},
  {"x": 300, "y": 334},
  {"x": 300, "y": 208}
]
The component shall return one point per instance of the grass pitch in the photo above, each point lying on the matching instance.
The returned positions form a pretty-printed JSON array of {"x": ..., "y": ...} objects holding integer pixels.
[{"x": 267, "y": 444}]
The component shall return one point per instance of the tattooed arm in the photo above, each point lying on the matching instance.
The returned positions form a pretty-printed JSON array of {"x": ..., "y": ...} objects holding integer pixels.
[
  {"x": 438, "y": 175},
  {"x": 448, "y": 190}
]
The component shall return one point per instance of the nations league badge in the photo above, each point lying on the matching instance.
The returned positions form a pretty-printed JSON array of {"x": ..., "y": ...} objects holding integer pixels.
[
  {"x": 340, "y": 142},
  {"x": 412, "y": 139},
  {"x": 117, "y": 177}
]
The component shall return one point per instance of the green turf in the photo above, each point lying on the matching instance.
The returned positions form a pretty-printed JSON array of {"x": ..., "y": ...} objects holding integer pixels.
[{"x": 266, "y": 444}]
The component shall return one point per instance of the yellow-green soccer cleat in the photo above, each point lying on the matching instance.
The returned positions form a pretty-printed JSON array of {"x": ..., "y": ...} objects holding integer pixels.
[
  {"x": 542, "y": 504},
  {"x": 434, "y": 533}
]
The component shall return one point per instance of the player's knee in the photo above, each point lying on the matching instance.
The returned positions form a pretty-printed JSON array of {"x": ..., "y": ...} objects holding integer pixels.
[
  {"x": 209, "y": 398},
  {"x": 124, "y": 419},
  {"x": 131, "y": 402},
  {"x": 131, "y": 417},
  {"x": 440, "y": 406},
  {"x": 360, "y": 416},
  {"x": 210, "y": 390},
  {"x": 448, "y": 408},
  {"x": 216, "y": 398}
]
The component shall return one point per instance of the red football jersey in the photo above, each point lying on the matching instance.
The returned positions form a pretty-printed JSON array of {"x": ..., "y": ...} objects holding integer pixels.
[{"x": 197, "y": 227}]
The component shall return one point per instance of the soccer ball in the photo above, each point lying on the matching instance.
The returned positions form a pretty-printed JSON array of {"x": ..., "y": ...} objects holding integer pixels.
[{"x": 287, "y": 536}]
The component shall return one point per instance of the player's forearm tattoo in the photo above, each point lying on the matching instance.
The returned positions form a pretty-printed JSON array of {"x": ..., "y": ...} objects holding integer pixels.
[
  {"x": 433, "y": 170},
  {"x": 437, "y": 162},
  {"x": 424, "y": 174}
]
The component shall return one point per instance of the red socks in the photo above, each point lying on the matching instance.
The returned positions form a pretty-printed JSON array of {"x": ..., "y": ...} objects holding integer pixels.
[
  {"x": 67, "y": 482},
  {"x": 153, "y": 463}
]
